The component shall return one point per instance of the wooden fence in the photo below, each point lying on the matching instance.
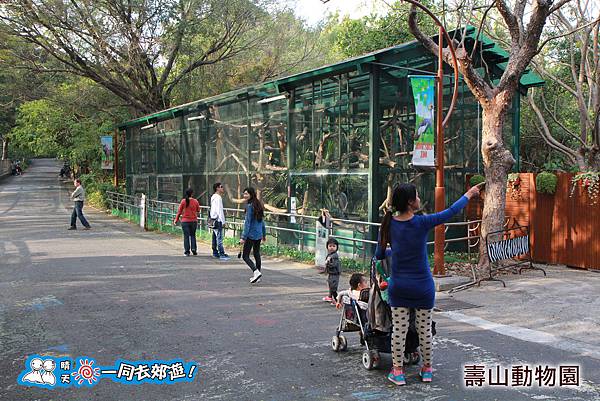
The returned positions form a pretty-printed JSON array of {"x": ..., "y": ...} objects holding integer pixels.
[{"x": 564, "y": 229}]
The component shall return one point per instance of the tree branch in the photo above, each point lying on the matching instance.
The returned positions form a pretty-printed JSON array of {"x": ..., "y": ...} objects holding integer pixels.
[
  {"x": 559, "y": 81},
  {"x": 511, "y": 22},
  {"x": 480, "y": 88},
  {"x": 522, "y": 53},
  {"x": 181, "y": 27},
  {"x": 545, "y": 42},
  {"x": 569, "y": 132},
  {"x": 558, "y": 5},
  {"x": 485, "y": 13},
  {"x": 547, "y": 136}
]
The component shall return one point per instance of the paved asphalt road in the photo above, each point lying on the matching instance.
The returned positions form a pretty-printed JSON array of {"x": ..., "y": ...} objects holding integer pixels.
[{"x": 117, "y": 292}]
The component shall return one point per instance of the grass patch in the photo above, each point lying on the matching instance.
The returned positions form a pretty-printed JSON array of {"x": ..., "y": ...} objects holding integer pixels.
[{"x": 134, "y": 218}]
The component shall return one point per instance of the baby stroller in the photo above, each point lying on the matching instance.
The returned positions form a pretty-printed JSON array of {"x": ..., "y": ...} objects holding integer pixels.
[
  {"x": 378, "y": 331},
  {"x": 375, "y": 324},
  {"x": 352, "y": 319}
]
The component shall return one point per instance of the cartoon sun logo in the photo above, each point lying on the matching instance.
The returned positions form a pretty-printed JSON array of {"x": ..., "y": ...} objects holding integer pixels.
[{"x": 86, "y": 372}]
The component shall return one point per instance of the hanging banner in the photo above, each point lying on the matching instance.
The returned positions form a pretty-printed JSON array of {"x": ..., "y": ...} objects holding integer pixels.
[
  {"x": 107, "y": 152},
  {"x": 423, "y": 87}
]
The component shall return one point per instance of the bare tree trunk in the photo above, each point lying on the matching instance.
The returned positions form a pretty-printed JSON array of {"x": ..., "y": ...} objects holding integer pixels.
[
  {"x": 495, "y": 99},
  {"x": 498, "y": 161},
  {"x": 261, "y": 149},
  {"x": 593, "y": 160},
  {"x": 281, "y": 138},
  {"x": 305, "y": 199},
  {"x": 4, "y": 148},
  {"x": 390, "y": 187}
]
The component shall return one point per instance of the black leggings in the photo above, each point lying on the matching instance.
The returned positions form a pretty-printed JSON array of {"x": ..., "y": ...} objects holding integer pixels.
[{"x": 248, "y": 245}]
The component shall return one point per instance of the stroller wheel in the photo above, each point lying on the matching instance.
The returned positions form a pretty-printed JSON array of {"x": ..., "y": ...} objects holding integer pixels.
[
  {"x": 412, "y": 358},
  {"x": 335, "y": 343},
  {"x": 376, "y": 359},
  {"x": 370, "y": 359},
  {"x": 343, "y": 343}
]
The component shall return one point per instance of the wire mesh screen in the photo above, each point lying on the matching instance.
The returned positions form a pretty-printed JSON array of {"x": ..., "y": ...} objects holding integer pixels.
[
  {"x": 311, "y": 143},
  {"x": 168, "y": 188}
]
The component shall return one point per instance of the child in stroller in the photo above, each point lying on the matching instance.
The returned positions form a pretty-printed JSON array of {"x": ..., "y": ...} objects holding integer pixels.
[
  {"x": 375, "y": 323},
  {"x": 353, "y": 303}
]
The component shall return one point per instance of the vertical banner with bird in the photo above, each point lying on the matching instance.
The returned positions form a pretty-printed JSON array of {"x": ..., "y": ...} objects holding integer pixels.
[
  {"x": 107, "y": 152},
  {"x": 424, "y": 138}
]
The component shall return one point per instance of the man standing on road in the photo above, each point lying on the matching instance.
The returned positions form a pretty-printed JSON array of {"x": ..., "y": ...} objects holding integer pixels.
[
  {"x": 78, "y": 197},
  {"x": 217, "y": 215}
]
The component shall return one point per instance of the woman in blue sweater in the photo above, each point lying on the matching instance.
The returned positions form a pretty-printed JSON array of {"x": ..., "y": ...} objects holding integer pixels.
[
  {"x": 254, "y": 232},
  {"x": 411, "y": 283}
]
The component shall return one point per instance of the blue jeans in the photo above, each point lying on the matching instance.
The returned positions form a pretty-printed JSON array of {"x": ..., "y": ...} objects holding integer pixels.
[
  {"x": 78, "y": 212},
  {"x": 189, "y": 235},
  {"x": 217, "y": 239}
]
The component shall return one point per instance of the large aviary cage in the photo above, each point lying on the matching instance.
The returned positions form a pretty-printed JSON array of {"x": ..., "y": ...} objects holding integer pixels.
[{"x": 336, "y": 137}]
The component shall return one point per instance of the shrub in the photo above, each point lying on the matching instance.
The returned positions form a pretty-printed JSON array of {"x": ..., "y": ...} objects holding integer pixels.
[
  {"x": 96, "y": 199},
  {"x": 25, "y": 164},
  {"x": 357, "y": 265},
  {"x": 476, "y": 179},
  {"x": 545, "y": 183},
  {"x": 89, "y": 182},
  {"x": 96, "y": 187}
]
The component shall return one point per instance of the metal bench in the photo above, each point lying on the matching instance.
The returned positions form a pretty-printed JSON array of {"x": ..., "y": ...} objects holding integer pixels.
[{"x": 511, "y": 244}]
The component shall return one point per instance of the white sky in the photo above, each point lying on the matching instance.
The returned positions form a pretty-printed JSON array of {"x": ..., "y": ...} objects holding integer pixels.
[{"x": 314, "y": 11}]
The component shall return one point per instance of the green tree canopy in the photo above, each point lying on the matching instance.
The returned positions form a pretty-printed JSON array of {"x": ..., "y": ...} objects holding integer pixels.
[
  {"x": 355, "y": 37},
  {"x": 66, "y": 124},
  {"x": 134, "y": 48}
]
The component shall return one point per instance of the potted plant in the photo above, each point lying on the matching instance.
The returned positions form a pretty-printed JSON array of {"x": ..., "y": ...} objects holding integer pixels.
[
  {"x": 475, "y": 209},
  {"x": 545, "y": 183},
  {"x": 476, "y": 179}
]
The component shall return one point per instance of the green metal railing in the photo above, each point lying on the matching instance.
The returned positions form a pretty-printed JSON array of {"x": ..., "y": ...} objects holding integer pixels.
[{"x": 281, "y": 232}]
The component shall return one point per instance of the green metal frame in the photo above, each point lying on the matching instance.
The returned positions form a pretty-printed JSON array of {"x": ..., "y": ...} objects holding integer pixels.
[
  {"x": 374, "y": 146},
  {"x": 354, "y": 101}
]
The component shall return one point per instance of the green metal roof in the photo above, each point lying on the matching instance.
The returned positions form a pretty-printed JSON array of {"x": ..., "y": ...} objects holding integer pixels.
[
  {"x": 491, "y": 51},
  {"x": 494, "y": 51},
  {"x": 173, "y": 111}
]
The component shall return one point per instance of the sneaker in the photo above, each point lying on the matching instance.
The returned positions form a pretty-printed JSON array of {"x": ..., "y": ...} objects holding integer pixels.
[
  {"x": 72, "y": 228},
  {"x": 327, "y": 299},
  {"x": 194, "y": 253},
  {"x": 396, "y": 376},
  {"x": 186, "y": 254},
  {"x": 216, "y": 256},
  {"x": 87, "y": 228},
  {"x": 224, "y": 257},
  {"x": 426, "y": 374},
  {"x": 256, "y": 276}
]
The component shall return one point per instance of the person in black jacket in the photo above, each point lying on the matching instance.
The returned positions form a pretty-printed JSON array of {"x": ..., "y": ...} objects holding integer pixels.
[{"x": 333, "y": 269}]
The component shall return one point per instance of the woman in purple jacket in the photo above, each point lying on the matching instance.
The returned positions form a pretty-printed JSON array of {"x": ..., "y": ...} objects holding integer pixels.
[{"x": 411, "y": 283}]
